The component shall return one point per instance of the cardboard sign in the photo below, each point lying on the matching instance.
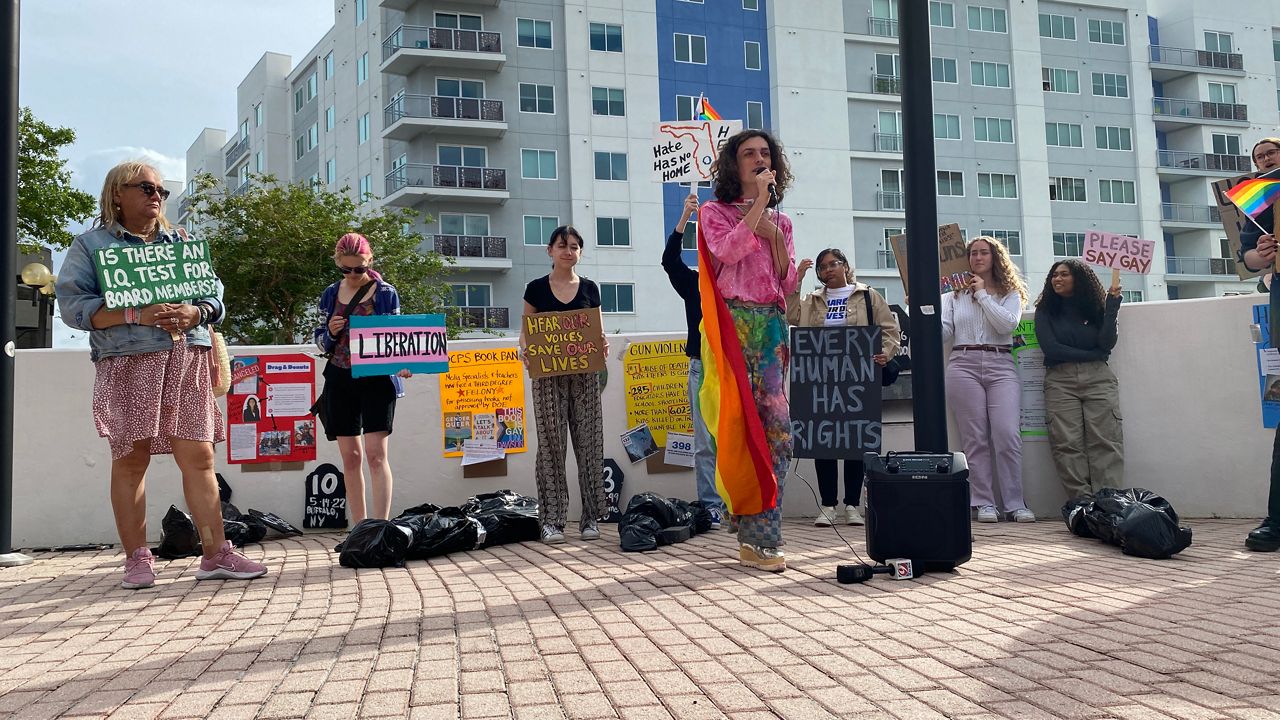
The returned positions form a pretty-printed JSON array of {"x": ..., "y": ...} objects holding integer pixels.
[
  {"x": 326, "y": 499},
  {"x": 387, "y": 344},
  {"x": 1233, "y": 221},
  {"x": 131, "y": 275},
  {"x": 1120, "y": 252},
  {"x": 657, "y": 387},
  {"x": 482, "y": 398},
  {"x": 835, "y": 391},
  {"x": 684, "y": 151},
  {"x": 564, "y": 343},
  {"x": 612, "y": 480},
  {"x": 1029, "y": 359},
  {"x": 269, "y": 409},
  {"x": 953, "y": 258}
]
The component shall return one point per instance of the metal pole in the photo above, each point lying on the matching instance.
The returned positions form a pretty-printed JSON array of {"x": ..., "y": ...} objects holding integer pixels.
[
  {"x": 8, "y": 270},
  {"x": 42, "y": 323},
  {"x": 920, "y": 186}
]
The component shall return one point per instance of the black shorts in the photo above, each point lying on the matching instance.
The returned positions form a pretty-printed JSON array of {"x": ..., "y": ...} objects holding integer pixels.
[{"x": 357, "y": 405}]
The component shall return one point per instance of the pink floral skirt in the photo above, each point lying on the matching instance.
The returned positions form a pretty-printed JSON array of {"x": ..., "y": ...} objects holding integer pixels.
[{"x": 156, "y": 396}]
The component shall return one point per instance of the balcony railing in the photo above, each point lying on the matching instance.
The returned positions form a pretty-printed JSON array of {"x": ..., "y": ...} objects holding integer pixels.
[
  {"x": 888, "y": 142},
  {"x": 1182, "y": 212},
  {"x": 1212, "y": 162},
  {"x": 482, "y": 318},
  {"x": 889, "y": 200},
  {"x": 1189, "y": 57},
  {"x": 886, "y": 84},
  {"x": 442, "y": 107},
  {"x": 480, "y": 246},
  {"x": 446, "y": 176},
  {"x": 438, "y": 38},
  {"x": 882, "y": 27},
  {"x": 1199, "y": 266},
  {"x": 886, "y": 260},
  {"x": 1177, "y": 107},
  {"x": 235, "y": 152},
  {"x": 240, "y": 189},
  {"x": 185, "y": 205}
]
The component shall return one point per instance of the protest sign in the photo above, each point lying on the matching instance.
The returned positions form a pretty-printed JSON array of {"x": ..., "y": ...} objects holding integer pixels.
[
  {"x": 835, "y": 391},
  {"x": 1233, "y": 221},
  {"x": 1029, "y": 359},
  {"x": 1268, "y": 366},
  {"x": 269, "y": 409},
  {"x": 679, "y": 449},
  {"x": 564, "y": 343},
  {"x": 132, "y": 275},
  {"x": 612, "y": 477},
  {"x": 683, "y": 151},
  {"x": 325, "y": 506},
  {"x": 657, "y": 387},
  {"x": 482, "y": 397},
  {"x": 1119, "y": 252},
  {"x": 387, "y": 344},
  {"x": 953, "y": 258}
]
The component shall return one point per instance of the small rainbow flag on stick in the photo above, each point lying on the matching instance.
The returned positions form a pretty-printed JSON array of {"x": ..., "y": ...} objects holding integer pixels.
[
  {"x": 1254, "y": 195},
  {"x": 704, "y": 110}
]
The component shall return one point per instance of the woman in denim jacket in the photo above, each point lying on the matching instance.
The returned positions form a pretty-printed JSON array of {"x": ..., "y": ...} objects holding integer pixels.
[{"x": 153, "y": 391}]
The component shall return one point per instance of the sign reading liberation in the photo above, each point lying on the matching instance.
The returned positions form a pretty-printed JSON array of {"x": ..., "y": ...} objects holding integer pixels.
[
  {"x": 386, "y": 344},
  {"x": 564, "y": 343},
  {"x": 835, "y": 391},
  {"x": 138, "y": 275}
]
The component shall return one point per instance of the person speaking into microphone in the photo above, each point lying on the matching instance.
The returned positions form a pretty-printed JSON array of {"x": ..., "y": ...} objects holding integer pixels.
[{"x": 747, "y": 254}]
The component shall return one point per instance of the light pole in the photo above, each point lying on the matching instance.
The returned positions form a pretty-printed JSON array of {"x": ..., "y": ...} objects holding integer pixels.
[{"x": 35, "y": 275}]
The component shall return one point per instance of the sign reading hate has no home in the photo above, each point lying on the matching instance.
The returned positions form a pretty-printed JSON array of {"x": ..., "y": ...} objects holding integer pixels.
[{"x": 135, "y": 275}]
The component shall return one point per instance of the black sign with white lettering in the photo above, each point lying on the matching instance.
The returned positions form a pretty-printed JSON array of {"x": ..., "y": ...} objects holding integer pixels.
[
  {"x": 835, "y": 391},
  {"x": 904, "y": 327},
  {"x": 326, "y": 504},
  {"x": 612, "y": 491}
]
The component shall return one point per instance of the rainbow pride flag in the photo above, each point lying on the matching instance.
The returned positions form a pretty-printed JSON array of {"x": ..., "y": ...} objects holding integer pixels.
[
  {"x": 1254, "y": 195},
  {"x": 744, "y": 474},
  {"x": 705, "y": 111}
]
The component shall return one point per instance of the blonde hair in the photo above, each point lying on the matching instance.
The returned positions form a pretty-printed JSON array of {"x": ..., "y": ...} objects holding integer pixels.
[
  {"x": 117, "y": 177},
  {"x": 1004, "y": 274}
]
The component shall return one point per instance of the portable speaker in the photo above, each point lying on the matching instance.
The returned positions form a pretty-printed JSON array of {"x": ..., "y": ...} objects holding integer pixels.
[{"x": 918, "y": 508}]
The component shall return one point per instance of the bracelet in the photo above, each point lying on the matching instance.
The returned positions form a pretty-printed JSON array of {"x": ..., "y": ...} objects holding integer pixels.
[
  {"x": 206, "y": 312},
  {"x": 132, "y": 316}
]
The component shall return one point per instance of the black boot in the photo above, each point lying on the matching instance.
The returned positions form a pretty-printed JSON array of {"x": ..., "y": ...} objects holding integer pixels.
[{"x": 1265, "y": 538}]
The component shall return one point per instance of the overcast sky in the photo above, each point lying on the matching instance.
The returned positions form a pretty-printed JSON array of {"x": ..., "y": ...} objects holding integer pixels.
[{"x": 141, "y": 79}]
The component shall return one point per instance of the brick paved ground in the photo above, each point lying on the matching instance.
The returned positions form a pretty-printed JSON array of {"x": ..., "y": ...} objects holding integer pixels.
[{"x": 1039, "y": 624}]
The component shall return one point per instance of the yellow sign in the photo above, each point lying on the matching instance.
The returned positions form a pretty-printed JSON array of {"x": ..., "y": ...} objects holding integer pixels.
[
  {"x": 482, "y": 397},
  {"x": 657, "y": 378}
]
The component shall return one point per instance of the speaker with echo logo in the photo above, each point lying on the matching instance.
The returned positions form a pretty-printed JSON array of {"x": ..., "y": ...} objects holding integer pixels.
[{"x": 918, "y": 508}]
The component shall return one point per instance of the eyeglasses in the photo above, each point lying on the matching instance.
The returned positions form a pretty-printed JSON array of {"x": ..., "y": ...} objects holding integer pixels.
[
  {"x": 357, "y": 270},
  {"x": 149, "y": 189},
  {"x": 830, "y": 266},
  {"x": 1266, "y": 155}
]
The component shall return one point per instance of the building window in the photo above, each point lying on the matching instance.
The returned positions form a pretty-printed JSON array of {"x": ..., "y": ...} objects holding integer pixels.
[
  {"x": 750, "y": 4},
  {"x": 460, "y": 224},
  {"x": 243, "y": 174},
  {"x": 942, "y": 14},
  {"x": 1217, "y": 41},
  {"x": 1062, "y": 27},
  {"x": 1131, "y": 296},
  {"x": 1063, "y": 135},
  {"x": 537, "y": 98},
  {"x": 537, "y": 229},
  {"x": 258, "y": 162},
  {"x": 755, "y": 115},
  {"x": 366, "y": 188},
  {"x": 257, "y": 115},
  {"x": 611, "y": 166},
  {"x": 1067, "y": 189},
  {"x": 891, "y": 189},
  {"x": 300, "y": 147},
  {"x": 613, "y": 232},
  {"x": 608, "y": 101},
  {"x": 453, "y": 87},
  {"x": 1059, "y": 80},
  {"x": 330, "y": 171},
  {"x": 988, "y": 19},
  {"x": 1120, "y": 192},
  {"x": 533, "y": 33},
  {"x": 946, "y": 127},
  {"x": 1222, "y": 93},
  {"x": 987, "y": 74},
  {"x": 617, "y": 297},
  {"x": 944, "y": 70},
  {"x": 471, "y": 295},
  {"x": 1012, "y": 239},
  {"x": 313, "y": 136},
  {"x": 537, "y": 164},
  {"x": 1067, "y": 244},
  {"x": 685, "y": 106},
  {"x": 606, "y": 38},
  {"x": 691, "y": 49},
  {"x": 1106, "y": 32},
  {"x": 244, "y": 130},
  {"x": 998, "y": 185},
  {"x": 362, "y": 10},
  {"x": 362, "y": 129},
  {"x": 989, "y": 129},
  {"x": 462, "y": 156},
  {"x": 751, "y": 52},
  {"x": 329, "y": 118},
  {"x": 362, "y": 69},
  {"x": 298, "y": 99},
  {"x": 1275, "y": 50},
  {"x": 400, "y": 161},
  {"x": 1111, "y": 137},
  {"x": 459, "y": 21},
  {"x": 1224, "y": 144},
  {"x": 328, "y": 66},
  {"x": 1111, "y": 85},
  {"x": 689, "y": 241},
  {"x": 950, "y": 184},
  {"x": 313, "y": 86}
]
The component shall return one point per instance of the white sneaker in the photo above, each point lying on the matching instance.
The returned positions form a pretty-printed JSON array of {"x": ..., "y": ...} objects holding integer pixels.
[
  {"x": 852, "y": 516},
  {"x": 987, "y": 514},
  {"x": 590, "y": 531},
  {"x": 1024, "y": 515},
  {"x": 826, "y": 517},
  {"x": 552, "y": 535}
]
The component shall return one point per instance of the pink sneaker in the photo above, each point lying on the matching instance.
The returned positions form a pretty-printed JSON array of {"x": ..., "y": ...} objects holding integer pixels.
[
  {"x": 227, "y": 564},
  {"x": 139, "y": 570}
]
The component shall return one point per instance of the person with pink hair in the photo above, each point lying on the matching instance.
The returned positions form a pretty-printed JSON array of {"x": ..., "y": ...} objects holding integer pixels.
[{"x": 358, "y": 412}]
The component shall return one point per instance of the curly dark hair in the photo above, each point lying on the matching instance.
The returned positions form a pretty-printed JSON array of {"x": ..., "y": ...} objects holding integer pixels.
[
  {"x": 1088, "y": 296},
  {"x": 727, "y": 186}
]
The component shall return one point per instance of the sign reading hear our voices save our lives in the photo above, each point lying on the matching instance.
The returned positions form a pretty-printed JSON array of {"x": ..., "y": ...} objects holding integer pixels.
[{"x": 387, "y": 344}]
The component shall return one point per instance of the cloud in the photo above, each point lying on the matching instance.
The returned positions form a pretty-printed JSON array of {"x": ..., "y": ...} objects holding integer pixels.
[{"x": 88, "y": 170}]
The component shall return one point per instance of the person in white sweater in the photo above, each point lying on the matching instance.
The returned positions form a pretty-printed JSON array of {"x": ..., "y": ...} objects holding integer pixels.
[{"x": 982, "y": 381}]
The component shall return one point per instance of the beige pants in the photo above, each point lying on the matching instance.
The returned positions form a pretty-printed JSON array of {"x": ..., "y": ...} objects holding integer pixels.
[{"x": 1082, "y": 405}]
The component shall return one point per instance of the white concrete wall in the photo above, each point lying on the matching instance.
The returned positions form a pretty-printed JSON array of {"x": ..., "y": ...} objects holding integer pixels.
[{"x": 1189, "y": 394}]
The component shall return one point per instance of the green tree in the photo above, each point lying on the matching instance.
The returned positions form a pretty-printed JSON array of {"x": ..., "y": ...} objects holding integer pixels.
[
  {"x": 47, "y": 203},
  {"x": 272, "y": 246}
]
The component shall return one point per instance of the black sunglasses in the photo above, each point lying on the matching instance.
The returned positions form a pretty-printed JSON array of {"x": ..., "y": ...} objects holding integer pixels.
[
  {"x": 149, "y": 189},
  {"x": 357, "y": 270}
]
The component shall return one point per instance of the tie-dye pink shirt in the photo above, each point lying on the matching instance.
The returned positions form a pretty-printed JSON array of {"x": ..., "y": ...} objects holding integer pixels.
[{"x": 741, "y": 260}]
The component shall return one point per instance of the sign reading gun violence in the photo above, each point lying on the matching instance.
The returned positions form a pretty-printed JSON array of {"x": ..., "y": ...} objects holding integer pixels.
[
  {"x": 1119, "y": 252},
  {"x": 835, "y": 391},
  {"x": 657, "y": 381},
  {"x": 138, "y": 275},
  {"x": 564, "y": 343},
  {"x": 387, "y": 344},
  {"x": 684, "y": 151}
]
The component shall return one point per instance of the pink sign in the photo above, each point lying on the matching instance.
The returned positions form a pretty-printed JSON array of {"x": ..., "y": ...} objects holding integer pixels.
[
  {"x": 387, "y": 344},
  {"x": 1118, "y": 251}
]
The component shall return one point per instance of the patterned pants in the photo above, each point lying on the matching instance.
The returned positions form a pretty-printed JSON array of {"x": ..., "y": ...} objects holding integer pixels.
[
  {"x": 569, "y": 402},
  {"x": 763, "y": 335}
]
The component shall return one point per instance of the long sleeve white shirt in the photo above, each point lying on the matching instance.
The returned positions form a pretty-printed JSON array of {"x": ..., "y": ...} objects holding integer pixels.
[{"x": 980, "y": 318}]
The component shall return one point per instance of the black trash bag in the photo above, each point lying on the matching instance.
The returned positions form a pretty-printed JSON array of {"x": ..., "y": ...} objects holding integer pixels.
[
  {"x": 230, "y": 512},
  {"x": 423, "y": 509},
  {"x": 274, "y": 522},
  {"x": 224, "y": 490},
  {"x": 638, "y": 532},
  {"x": 256, "y": 528},
  {"x": 178, "y": 536},
  {"x": 684, "y": 515},
  {"x": 375, "y": 543},
  {"x": 655, "y": 506},
  {"x": 235, "y": 531},
  {"x": 1138, "y": 521},
  {"x": 501, "y": 500},
  {"x": 232, "y": 518},
  {"x": 507, "y": 525},
  {"x": 1074, "y": 513},
  {"x": 701, "y": 516},
  {"x": 442, "y": 532}
]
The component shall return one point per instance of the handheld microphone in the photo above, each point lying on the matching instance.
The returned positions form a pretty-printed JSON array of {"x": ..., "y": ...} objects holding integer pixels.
[{"x": 773, "y": 190}]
